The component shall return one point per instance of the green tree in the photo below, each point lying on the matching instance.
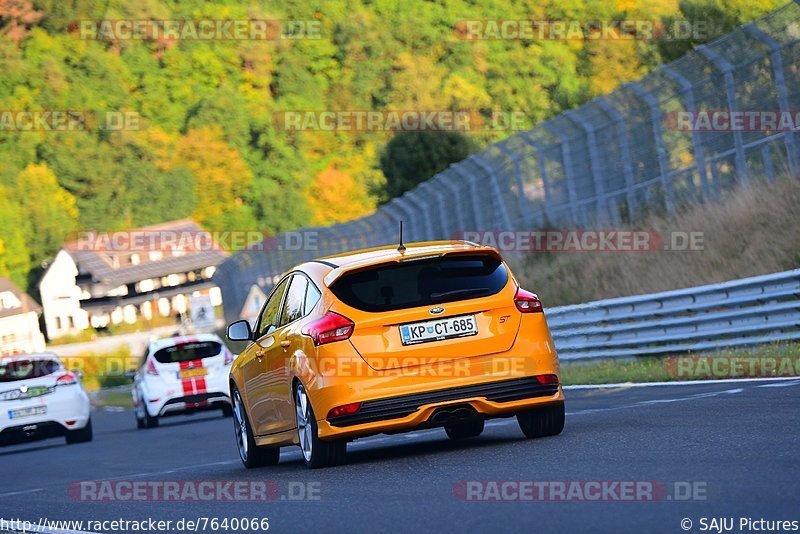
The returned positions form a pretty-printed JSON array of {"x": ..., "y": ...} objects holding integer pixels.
[
  {"x": 49, "y": 211},
  {"x": 412, "y": 157}
]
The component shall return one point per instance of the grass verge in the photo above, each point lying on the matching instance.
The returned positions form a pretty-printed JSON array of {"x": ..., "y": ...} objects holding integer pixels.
[{"x": 775, "y": 359}]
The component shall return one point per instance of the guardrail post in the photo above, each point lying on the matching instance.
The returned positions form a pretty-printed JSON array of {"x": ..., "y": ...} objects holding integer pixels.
[
  {"x": 780, "y": 86},
  {"x": 498, "y": 200},
  {"x": 724, "y": 66},
  {"x": 625, "y": 152},
  {"x": 540, "y": 161},
  {"x": 663, "y": 165},
  {"x": 697, "y": 143},
  {"x": 566, "y": 163},
  {"x": 594, "y": 164}
]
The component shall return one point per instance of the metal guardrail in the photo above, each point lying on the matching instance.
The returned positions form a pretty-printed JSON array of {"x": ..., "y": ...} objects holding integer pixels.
[
  {"x": 604, "y": 164},
  {"x": 741, "y": 312}
]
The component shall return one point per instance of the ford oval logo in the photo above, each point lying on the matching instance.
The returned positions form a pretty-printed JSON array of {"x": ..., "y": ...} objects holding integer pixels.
[{"x": 436, "y": 310}]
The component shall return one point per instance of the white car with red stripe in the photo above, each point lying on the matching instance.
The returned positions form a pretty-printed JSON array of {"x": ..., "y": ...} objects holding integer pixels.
[
  {"x": 180, "y": 375},
  {"x": 41, "y": 399}
]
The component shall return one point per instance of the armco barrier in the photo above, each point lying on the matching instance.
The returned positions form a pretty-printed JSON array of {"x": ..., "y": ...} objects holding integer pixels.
[{"x": 741, "y": 312}]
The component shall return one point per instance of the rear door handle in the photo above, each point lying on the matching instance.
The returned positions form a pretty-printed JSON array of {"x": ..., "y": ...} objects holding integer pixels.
[{"x": 285, "y": 344}]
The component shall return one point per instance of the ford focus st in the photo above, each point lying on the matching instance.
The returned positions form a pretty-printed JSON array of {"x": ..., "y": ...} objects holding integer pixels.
[
  {"x": 181, "y": 375},
  {"x": 41, "y": 399},
  {"x": 389, "y": 340}
]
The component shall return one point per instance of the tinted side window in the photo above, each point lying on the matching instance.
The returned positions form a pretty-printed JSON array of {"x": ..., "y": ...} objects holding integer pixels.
[
  {"x": 312, "y": 297},
  {"x": 268, "y": 320},
  {"x": 295, "y": 300}
]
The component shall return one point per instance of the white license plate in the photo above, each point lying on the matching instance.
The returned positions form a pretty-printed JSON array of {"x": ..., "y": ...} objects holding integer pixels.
[
  {"x": 438, "y": 329},
  {"x": 27, "y": 412}
]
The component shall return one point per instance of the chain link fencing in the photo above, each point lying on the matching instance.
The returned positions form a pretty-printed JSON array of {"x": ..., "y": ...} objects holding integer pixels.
[{"x": 609, "y": 162}]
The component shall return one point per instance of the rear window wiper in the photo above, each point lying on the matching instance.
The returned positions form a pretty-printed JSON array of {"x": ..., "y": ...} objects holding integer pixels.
[{"x": 459, "y": 293}]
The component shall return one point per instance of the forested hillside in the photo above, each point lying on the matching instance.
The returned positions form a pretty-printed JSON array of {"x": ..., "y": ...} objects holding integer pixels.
[{"x": 206, "y": 143}]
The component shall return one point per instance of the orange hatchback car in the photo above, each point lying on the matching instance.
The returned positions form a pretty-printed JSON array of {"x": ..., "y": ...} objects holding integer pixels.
[{"x": 386, "y": 340}]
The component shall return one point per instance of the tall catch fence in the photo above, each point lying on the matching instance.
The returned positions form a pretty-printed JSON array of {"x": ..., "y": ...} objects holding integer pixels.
[{"x": 610, "y": 162}]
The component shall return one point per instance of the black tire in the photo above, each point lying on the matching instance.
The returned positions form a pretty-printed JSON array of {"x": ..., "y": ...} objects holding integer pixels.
[
  {"x": 252, "y": 455},
  {"x": 147, "y": 421},
  {"x": 82, "y": 435},
  {"x": 541, "y": 422},
  {"x": 321, "y": 453},
  {"x": 465, "y": 430}
]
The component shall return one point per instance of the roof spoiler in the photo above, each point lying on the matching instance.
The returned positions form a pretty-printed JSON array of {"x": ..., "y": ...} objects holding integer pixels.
[{"x": 337, "y": 273}]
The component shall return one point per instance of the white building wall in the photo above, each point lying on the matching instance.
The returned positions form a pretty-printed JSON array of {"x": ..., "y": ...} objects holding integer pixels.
[
  {"x": 20, "y": 334},
  {"x": 61, "y": 298}
]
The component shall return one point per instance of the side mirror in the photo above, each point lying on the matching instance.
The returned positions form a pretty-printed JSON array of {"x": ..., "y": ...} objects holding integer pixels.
[
  {"x": 240, "y": 331},
  {"x": 130, "y": 375}
]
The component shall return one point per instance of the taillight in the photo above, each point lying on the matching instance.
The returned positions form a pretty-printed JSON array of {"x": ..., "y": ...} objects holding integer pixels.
[
  {"x": 150, "y": 369},
  {"x": 527, "y": 302},
  {"x": 329, "y": 328},
  {"x": 66, "y": 380},
  {"x": 547, "y": 379},
  {"x": 347, "y": 409},
  {"x": 229, "y": 357}
]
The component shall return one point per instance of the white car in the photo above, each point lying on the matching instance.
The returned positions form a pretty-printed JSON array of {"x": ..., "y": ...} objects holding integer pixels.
[
  {"x": 41, "y": 399},
  {"x": 180, "y": 375}
]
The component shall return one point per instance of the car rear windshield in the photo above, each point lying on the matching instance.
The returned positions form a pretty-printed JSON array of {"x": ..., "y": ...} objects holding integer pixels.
[
  {"x": 421, "y": 283},
  {"x": 186, "y": 352},
  {"x": 13, "y": 371}
]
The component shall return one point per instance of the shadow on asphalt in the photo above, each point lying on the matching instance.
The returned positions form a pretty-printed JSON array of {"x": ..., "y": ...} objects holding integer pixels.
[
  {"x": 40, "y": 446},
  {"x": 181, "y": 420},
  {"x": 399, "y": 451}
]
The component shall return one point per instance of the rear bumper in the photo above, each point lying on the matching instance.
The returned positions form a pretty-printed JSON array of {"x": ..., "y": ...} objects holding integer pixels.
[
  {"x": 32, "y": 432},
  {"x": 194, "y": 403},
  {"x": 400, "y": 407},
  {"x": 490, "y": 385}
]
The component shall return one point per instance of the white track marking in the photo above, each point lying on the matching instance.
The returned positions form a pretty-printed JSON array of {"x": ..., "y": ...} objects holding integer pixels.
[
  {"x": 21, "y": 492},
  {"x": 678, "y": 383},
  {"x": 781, "y": 384}
]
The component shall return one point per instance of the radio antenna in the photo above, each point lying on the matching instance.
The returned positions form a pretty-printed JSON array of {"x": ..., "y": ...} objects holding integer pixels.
[{"x": 401, "y": 247}]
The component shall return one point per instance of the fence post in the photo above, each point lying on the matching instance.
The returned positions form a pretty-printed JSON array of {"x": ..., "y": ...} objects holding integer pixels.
[
  {"x": 566, "y": 163},
  {"x": 426, "y": 188},
  {"x": 625, "y": 152},
  {"x": 391, "y": 227},
  {"x": 780, "y": 86},
  {"x": 413, "y": 196},
  {"x": 364, "y": 227},
  {"x": 663, "y": 166},
  {"x": 540, "y": 161},
  {"x": 697, "y": 143},
  {"x": 473, "y": 197},
  {"x": 726, "y": 68},
  {"x": 459, "y": 211},
  {"x": 594, "y": 164},
  {"x": 515, "y": 158},
  {"x": 410, "y": 224},
  {"x": 498, "y": 201}
]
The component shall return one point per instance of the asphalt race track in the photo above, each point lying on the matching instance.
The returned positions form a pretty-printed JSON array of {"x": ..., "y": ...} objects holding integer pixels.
[{"x": 738, "y": 442}]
